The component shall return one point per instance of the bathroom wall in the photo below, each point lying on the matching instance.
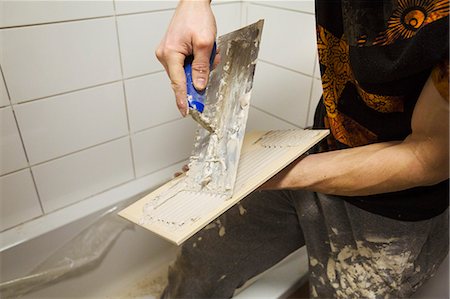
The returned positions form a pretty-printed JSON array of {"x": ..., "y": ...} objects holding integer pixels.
[
  {"x": 287, "y": 80},
  {"x": 87, "y": 114}
]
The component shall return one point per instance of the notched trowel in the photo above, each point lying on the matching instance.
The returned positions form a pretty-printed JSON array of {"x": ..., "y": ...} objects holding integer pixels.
[{"x": 214, "y": 160}]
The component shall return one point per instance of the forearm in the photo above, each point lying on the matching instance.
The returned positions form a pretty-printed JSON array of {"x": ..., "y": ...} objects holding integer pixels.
[
  {"x": 372, "y": 169},
  {"x": 419, "y": 160}
]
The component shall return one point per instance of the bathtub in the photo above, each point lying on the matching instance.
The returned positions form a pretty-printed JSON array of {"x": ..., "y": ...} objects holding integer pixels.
[{"x": 134, "y": 265}]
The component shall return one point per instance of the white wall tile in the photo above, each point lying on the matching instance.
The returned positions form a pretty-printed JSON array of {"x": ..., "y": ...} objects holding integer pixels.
[
  {"x": 44, "y": 60},
  {"x": 150, "y": 101},
  {"x": 299, "y": 5},
  {"x": 19, "y": 201},
  {"x": 228, "y": 17},
  {"x": 162, "y": 146},
  {"x": 282, "y": 92},
  {"x": 139, "y": 36},
  {"x": 22, "y": 12},
  {"x": 261, "y": 121},
  {"x": 317, "y": 68},
  {"x": 12, "y": 155},
  {"x": 127, "y": 6},
  {"x": 288, "y": 37},
  {"x": 63, "y": 124},
  {"x": 72, "y": 178},
  {"x": 4, "y": 100},
  {"x": 316, "y": 94}
]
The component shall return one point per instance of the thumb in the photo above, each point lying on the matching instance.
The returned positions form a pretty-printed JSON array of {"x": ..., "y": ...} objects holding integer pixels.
[{"x": 200, "y": 64}]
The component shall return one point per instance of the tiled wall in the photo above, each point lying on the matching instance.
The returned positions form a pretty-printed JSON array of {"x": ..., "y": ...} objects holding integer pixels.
[
  {"x": 85, "y": 106},
  {"x": 287, "y": 80}
]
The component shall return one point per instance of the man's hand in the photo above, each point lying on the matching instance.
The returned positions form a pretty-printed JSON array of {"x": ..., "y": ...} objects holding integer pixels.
[{"x": 192, "y": 31}]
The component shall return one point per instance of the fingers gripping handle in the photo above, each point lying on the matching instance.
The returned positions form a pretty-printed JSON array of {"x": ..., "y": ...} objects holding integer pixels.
[{"x": 196, "y": 99}]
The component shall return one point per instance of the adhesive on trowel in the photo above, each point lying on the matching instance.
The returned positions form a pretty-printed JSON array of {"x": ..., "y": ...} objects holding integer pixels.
[{"x": 214, "y": 160}]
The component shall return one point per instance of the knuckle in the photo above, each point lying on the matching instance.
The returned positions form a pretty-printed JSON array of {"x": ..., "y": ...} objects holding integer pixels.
[
  {"x": 200, "y": 66},
  {"x": 203, "y": 42}
]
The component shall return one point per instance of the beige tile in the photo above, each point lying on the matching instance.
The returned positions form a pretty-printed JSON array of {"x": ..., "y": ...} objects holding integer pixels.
[{"x": 316, "y": 94}]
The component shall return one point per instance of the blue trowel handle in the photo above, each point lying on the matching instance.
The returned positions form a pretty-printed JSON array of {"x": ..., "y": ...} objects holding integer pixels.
[{"x": 196, "y": 99}]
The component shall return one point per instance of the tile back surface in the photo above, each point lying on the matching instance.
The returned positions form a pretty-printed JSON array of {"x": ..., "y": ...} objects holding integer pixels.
[
  {"x": 19, "y": 201},
  {"x": 16, "y": 13},
  {"x": 73, "y": 178},
  {"x": 12, "y": 155},
  {"x": 63, "y": 124},
  {"x": 45, "y": 60}
]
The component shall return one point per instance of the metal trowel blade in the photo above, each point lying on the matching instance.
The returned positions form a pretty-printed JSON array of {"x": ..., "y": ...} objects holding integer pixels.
[{"x": 214, "y": 160}]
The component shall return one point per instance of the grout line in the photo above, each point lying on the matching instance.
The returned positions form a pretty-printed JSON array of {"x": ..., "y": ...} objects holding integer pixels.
[
  {"x": 276, "y": 116},
  {"x": 156, "y": 126},
  {"x": 286, "y": 68},
  {"x": 93, "y": 146},
  {"x": 162, "y": 168},
  {"x": 133, "y": 162},
  {"x": 281, "y": 8},
  {"x": 105, "y": 16},
  {"x": 78, "y": 151},
  {"x": 56, "y": 22},
  {"x": 21, "y": 141},
  {"x": 88, "y": 87}
]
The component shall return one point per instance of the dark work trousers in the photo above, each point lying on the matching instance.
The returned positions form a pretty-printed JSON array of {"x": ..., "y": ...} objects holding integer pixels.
[{"x": 352, "y": 253}]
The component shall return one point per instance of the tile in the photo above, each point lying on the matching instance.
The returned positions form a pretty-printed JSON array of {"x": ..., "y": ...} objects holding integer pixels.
[
  {"x": 19, "y": 201},
  {"x": 63, "y": 124},
  {"x": 4, "y": 99},
  {"x": 299, "y": 5},
  {"x": 162, "y": 146},
  {"x": 228, "y": 17},
  {"x": 288, "y": 37},
  {"x": 12, "y": 156},
  {"x": 75, "y": 177},
  {"x": 316, "y": 94},
  {"x": 139, "y": 37},
  {"x": 15, "y": 13},
  {"x": 317, "y": 68},
  {"x": 261, "y": 121},
  {"x": 150, "y": 101},
  {"x": 127, "y": 6},
  {"x": 282, "y": 92},
  {"x": 58, "y": 58}
]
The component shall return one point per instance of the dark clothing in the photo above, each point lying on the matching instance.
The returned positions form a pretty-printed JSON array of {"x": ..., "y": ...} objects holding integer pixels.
[
  {"x": 375, "y": 57},
  {"x": 352, "y": 253}
]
